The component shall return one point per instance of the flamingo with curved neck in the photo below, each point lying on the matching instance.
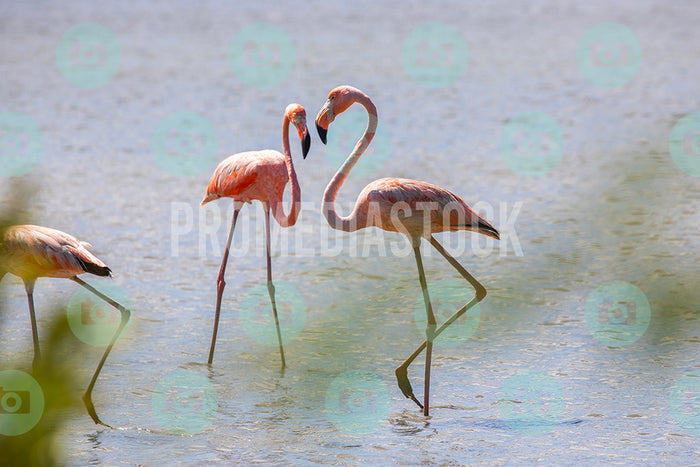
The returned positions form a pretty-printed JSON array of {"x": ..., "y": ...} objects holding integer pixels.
[
  {"x": 259, "y": 175},
  {"x": 415, "y": 209}
]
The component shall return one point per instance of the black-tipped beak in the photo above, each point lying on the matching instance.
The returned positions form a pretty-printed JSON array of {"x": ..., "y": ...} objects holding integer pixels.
[
  {"x": 487, "y": 229},
  {"x": 305, "y": 144},
  {"x": 322, "y": 132}
]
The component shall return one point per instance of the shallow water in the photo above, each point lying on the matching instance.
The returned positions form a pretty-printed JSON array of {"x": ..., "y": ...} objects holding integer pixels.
[{"x": 616, "y": 208}]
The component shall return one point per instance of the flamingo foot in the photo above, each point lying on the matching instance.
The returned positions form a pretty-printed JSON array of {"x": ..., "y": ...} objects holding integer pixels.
[
  {"x": 405, "y": 384},
  {"x": 87, "y": 399}
]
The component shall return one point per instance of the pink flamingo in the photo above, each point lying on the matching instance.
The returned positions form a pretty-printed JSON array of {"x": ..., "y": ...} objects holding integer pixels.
[
  {"x": 30, "y": 252},
  {"x": 259, "y": 175},
  {"x": 416, "y": 209}
]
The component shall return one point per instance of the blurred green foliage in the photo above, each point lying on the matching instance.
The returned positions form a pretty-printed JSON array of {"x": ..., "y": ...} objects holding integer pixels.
[{"x": 39, "y": 446}]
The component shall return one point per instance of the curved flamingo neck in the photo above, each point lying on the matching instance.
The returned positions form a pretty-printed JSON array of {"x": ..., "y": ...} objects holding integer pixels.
[
  {"x": 356, "y": 219},
  {"x": 287, "y": 220}
]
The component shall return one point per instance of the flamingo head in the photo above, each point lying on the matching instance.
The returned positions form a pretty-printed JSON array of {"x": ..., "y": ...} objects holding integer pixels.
[
  {"x": 339, "y": 99},
  {"x": 297, "y": 115}
]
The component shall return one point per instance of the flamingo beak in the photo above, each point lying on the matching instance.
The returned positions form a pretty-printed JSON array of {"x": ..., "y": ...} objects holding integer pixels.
[
  {"x": 322, "y": 133},
  {"x": 487, "y": 229},
  {"x": 305, "y": 141},
  {"x": 300, "y": 123},
  {"x": 324, "y": 119}
]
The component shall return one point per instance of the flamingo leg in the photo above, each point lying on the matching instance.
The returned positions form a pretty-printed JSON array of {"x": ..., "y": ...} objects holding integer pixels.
[
  {"x": 478, "y": 288},
  {"x": 429, "y": 330},
  {"x": 29, "y": 287},
  {"x": 125, "y": 315},
  {"x": 402, "y": 370},
  {"x": 270, "y": 285},
  {"x": 221, "y": 283}
]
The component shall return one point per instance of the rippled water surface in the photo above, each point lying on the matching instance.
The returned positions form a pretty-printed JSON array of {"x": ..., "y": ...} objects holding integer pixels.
[{"x": 616, "y": 208}]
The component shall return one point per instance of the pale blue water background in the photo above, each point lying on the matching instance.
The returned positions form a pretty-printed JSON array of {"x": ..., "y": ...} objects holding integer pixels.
[{"x": 615, "y": 208}]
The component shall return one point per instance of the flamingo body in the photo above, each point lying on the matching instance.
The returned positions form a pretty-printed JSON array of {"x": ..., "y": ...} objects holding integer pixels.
[
  {"x": 32, "y": 251},
  {"x": 416, "y": 209},
  {"x": 247, "y": 176}
]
